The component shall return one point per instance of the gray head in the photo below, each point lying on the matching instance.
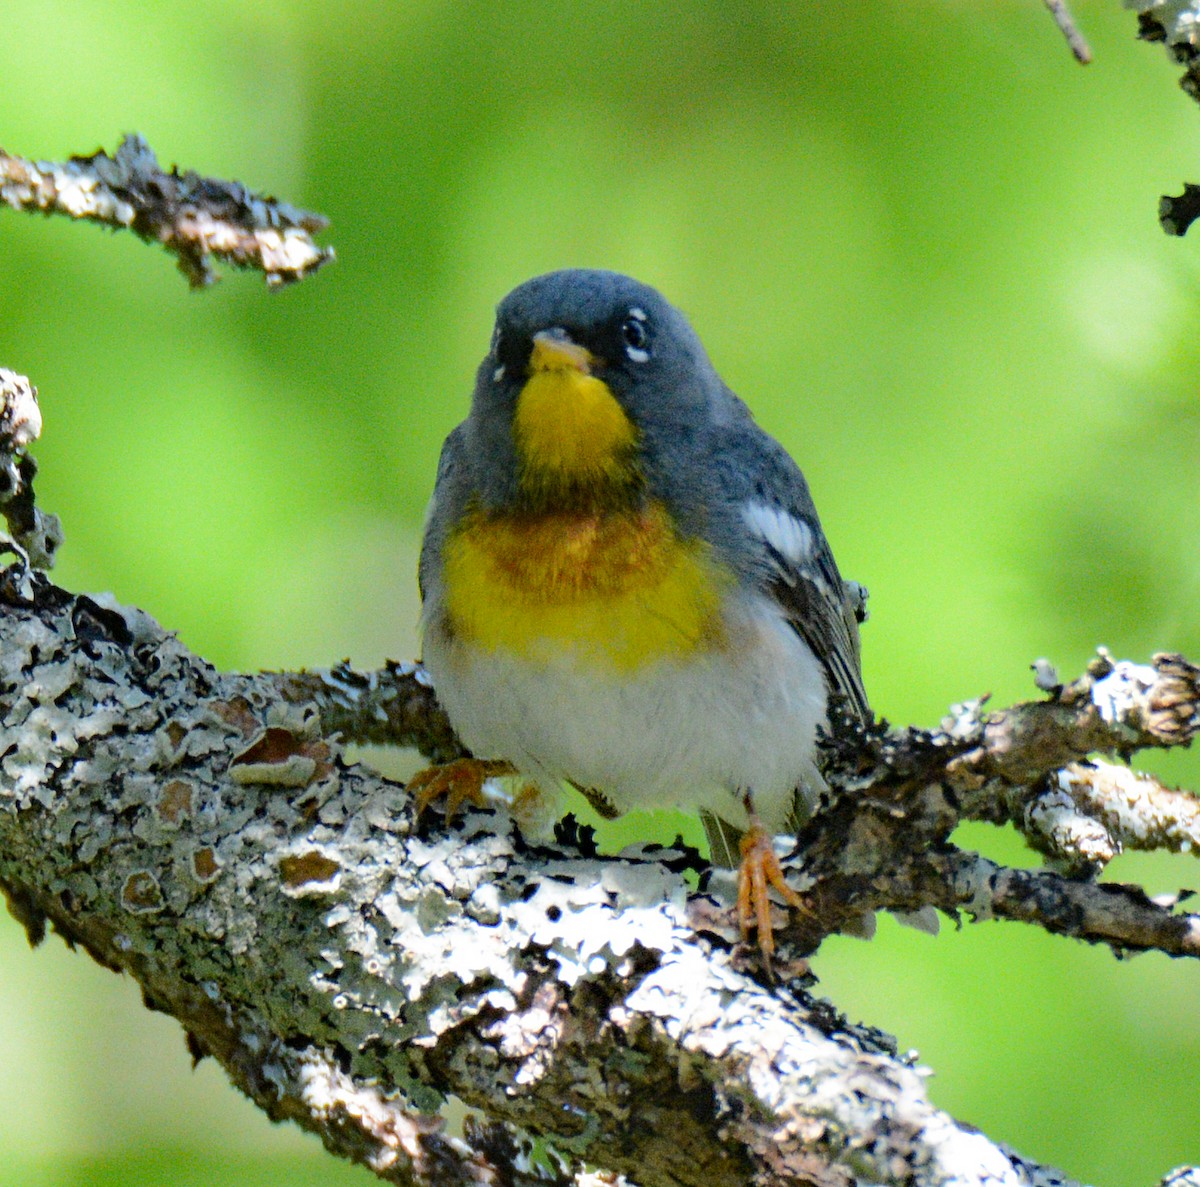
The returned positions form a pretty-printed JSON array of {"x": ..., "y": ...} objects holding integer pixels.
[
  {"x": 611, "y": 329},
  {"x": 629, "y": 325}
]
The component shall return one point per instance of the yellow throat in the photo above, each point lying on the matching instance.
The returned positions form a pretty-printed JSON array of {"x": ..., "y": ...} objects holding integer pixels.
[{"x": 570, "y": 432}]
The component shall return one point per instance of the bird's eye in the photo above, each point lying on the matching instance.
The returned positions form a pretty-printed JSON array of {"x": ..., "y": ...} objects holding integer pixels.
[{"x": 633, "y": 330}]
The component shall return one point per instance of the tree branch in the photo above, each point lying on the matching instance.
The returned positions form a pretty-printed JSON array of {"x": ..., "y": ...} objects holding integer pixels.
[
  {"x": 395, "y": 706},
  {"x": 195, "y": 830},
  {"x": 1176, "y": 25},
  {"x": 193, "y": 217},
  {"x": 34, "y": 536},
  {"x": 199, "y": 831},
  {"x": 884, "y": 840}
]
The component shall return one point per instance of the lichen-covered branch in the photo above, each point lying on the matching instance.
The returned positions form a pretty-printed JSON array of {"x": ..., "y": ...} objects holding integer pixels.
[
  {"x": 885, "y": 839},
  {"x": 394, "y": 706},
  {"x": 1121, "y": 916},
  {"x": 1027, "y": 766},
  {"x": 1032, "y": 766},
  {"x": 195, "y": 218},
  {"x": 1176, "y": 25},
  {"x": 202, "y": 832},
  {"x": 34, "y": 536},
  {"x": 1023, "y": 766},
  {"x": 1133, "y": 810}
]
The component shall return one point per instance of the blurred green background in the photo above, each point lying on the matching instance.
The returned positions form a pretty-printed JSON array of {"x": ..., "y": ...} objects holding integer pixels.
[{"x": 914, "y": 235}]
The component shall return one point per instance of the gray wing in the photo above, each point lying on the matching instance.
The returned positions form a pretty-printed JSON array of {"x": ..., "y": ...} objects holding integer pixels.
[
  {"x": 782, "y": 545},
  {"x": 825, "y": 612},
  {"x": 449, "y": 490}
]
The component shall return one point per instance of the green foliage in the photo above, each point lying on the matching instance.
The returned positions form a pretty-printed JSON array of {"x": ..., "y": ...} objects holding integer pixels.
[{"x": 917, "y": 238}]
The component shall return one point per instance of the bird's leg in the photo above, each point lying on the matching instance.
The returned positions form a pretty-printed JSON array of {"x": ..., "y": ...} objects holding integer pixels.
[
  {"x": 460, "y": 781},
  {"x": 759, "y": 871}
]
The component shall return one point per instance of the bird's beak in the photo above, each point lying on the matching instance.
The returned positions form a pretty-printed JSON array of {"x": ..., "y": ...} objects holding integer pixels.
[{"x": 553, "y": 350}]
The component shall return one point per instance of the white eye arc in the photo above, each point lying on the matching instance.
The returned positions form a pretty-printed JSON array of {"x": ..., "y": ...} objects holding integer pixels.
[
  {"x": 494, "y": 351},
  {"x": 633, "y": 330}
]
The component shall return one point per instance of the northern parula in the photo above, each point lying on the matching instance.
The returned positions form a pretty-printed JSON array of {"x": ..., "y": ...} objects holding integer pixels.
[{"x": 625, "y": 583}]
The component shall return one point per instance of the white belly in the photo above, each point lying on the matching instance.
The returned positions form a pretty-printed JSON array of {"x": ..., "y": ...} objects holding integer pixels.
[{"x": 691, "y": 734}]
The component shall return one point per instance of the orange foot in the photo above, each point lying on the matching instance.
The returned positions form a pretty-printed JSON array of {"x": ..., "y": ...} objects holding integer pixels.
[
  {"x": 460, "y": 781},
  {"x": 759, "y": 870}
]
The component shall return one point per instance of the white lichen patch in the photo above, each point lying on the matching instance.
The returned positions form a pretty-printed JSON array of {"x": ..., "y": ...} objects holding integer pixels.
[
  {"x": 1118, "y": 694},
  {"x": 51, "y": 681},
  {"x": 1068, "y": 831}
]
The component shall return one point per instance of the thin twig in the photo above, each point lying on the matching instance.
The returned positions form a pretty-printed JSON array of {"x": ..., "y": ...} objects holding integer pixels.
[{"x": 1068, "y": 28}]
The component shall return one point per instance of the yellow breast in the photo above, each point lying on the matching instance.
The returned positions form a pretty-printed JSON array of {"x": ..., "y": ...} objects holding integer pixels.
[{"x": 619, "y": 589}]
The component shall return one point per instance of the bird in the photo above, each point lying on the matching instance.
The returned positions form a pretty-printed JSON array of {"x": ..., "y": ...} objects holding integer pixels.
[{"x": 625, "y": 584}]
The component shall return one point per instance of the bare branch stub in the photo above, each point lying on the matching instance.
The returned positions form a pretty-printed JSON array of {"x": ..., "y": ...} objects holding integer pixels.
[
  {"x": 1067, "y": 27},
  {"x": 195, "y": 218}
]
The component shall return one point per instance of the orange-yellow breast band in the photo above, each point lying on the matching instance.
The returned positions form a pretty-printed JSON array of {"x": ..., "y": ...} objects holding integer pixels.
[{"x": 618, "y": 589}]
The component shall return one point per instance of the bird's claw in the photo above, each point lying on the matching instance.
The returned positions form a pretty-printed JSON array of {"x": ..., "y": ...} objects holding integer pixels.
[
  {"x": 460, "y": 782},
  {"x": 758, "y": 873}
]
